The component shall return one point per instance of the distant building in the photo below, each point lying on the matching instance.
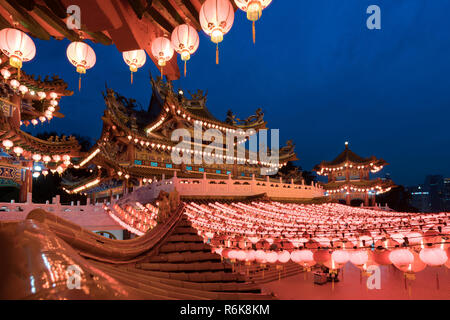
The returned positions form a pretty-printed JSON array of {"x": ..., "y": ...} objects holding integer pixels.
[
  {"x": 419, "y": 198},
  {"x": 432, "y": 196},
  {"x": 447, "y": 194}
]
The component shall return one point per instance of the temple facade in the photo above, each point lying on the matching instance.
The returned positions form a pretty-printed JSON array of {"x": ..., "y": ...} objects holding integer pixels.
[
  {"x": 26, "y": 100},
  {"x": 136, "y": 145},
  {"x": 349, "y": 177}
]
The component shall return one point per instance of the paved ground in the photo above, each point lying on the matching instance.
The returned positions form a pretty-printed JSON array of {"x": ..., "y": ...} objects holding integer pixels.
[{"x": 354, "y": 287}]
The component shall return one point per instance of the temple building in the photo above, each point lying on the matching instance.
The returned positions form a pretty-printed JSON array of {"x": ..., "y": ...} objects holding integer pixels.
[
  {"x": 349, "y": 177},
  {"x": 30, "y": 101},
  {"x": 135, "y": 146}
]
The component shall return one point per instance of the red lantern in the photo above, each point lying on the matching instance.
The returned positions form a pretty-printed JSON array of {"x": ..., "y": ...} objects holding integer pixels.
[
  {"x": 134, "y": 59},
  {"x": 433, "y": 257},
  {"x": 185, "y": 41},
  {"x": 18, "y": 46},
  {"x": 284, "y": 256},
  {"x": 216, "y": 19},
  {"x": 82, "y": 56},
  {"x": 162, "y": 50},
  {"x": 254, "y": 10}
]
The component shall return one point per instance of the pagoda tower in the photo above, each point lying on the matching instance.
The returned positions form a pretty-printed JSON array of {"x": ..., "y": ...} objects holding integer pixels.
[{"x": 349, "y": 177}]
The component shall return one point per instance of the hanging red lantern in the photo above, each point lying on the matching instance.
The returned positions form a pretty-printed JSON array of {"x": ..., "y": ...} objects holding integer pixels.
[
  {"x": 82, "y": 56},
  {"x": 185, "y": 41},
  {"x": 216, "y": 19},
  {"x": 163, "y": 51},
  {"x": 254, "y": 10},
  {"x": 18, "y": 46},
  {"x": 134, "y": 59}
]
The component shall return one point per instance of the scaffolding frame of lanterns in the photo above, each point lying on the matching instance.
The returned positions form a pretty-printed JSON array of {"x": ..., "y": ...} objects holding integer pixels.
[
  {"x": 85, "y": 186},
  {"x": 280, "y": 219},
  {"x": 358, "y": 249}
]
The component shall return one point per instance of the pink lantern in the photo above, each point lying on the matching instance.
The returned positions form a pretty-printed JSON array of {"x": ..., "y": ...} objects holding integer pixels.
[
  {"x": 36, "y": 157},
  {"x": 359, "y": 257},
  {"x": 260, "y": 256},
  {"x": 18, "y": 151},
  {"x": 216, "y": 19},
  {"x": 18, "y": 46},
  {"x": 185, "y": 41},
  {"x": 250, "y": 255},
  {"x": 254, "y": 10},
  {"x": 7, "y": 144},
  {"x": 5, "y": 73},
  {"x": 340, "y": 257},
  {"x": 41, "y": 95},
  {"x": 162, "y": 50},
  {"x": 14, "y": 83},
  {"x": 240, "y": 255},
  {"x": 82, "y": 56},
  {"x": 271, "y": 257},
  {"x": 284, "y": 256},
  {"x": 401, "y": 257},
  {"x": 134, "y": 59},
  {"x": 433, "y": 257}
]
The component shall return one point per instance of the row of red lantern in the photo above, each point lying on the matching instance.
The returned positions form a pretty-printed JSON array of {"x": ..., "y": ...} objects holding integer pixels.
[{"x": 407, "y": 260}]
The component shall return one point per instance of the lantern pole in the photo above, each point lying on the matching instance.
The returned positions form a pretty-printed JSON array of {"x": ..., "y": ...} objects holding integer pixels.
[
  {"x": 217, "y": 53},
  {"x": 254, "y": 32}
]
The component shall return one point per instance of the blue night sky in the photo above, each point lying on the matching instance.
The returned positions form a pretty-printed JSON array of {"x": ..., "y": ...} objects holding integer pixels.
[{"x": 319, "y": 74}]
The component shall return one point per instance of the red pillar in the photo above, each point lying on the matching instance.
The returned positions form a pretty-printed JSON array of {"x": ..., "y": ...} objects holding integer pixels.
[
  {"x": 347, "y": 198},
  {"x": 366, "y": 199}
]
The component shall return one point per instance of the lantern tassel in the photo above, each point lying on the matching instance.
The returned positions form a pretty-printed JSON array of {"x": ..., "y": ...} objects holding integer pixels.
[
  {"x": 254, "y": 33},
  {"x": 437, "y": 280},
  {"x": 162, "y": 73},
  {"x": 185, "y": 68},
  {"x": 217, "y": 54},
  {"x": 18, "y": 73},
  {"x": 79, "y": 83},
  {"x": 131, "y": 77}
]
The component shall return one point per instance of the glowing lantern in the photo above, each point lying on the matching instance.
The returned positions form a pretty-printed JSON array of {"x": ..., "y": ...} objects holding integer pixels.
[
  {"x": 271, "y": 257},
  {"x": 36, "y": 157},
  {"x": 34, "y": 122},
  {"x": 82, "y": 56},
  {"x": 321, "y": 256},
  {"x": 401, "y": 257},
  {"x": 46, "y": 159},
  {"x": 54, "y": 103},
  {"x": 134, "y": 59},
  {"x": 56, "y": 157},
  {"x": 254, "y": 10},
  {"x": 216, "y": 19},
  {"x": 53, "y": 95},
  {"x": 284, "y": 256},
  {"x": 41, "y": 95},
  {"x": 5, "y": 73},
  {"x": 66, "y": 157},
  {"x": 51, "y": 109},
  {"x": 18, "y": 151},
  {"x": 7, "y": 144},
  {"x": 18, "y": 46},
  {"x": 45, "y": 172},
  {"x": 433, "y": 257},
  {"x": 162, "y": 50},
  {"x": 59, "y": 169},
  {"x": 260, "y": 256},
  {"x": 359, "y": 257},
  {"x": 14, "y": 83},
  {"x": 42, "y": 118},
  {"x": 185, "y": 41},
  {"x": 340, "y": 257},
  {"x": 240, "y": 255}
]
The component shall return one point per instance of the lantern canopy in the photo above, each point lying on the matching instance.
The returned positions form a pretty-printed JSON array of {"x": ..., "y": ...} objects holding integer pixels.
[
  {"x": 254, "y": 10},
  {"x": 162, "y": 50},
  {"x": 134, "y": 59},
  {"x": 185, "y": 41},
  {"x": 216, "y": 19},
  {"x": 18, "y": 46},
  {"x": 82, "y": 56}
]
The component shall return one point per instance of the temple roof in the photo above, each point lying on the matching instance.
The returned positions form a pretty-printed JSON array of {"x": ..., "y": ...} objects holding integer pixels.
[{"x": 349, "y": 157}]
